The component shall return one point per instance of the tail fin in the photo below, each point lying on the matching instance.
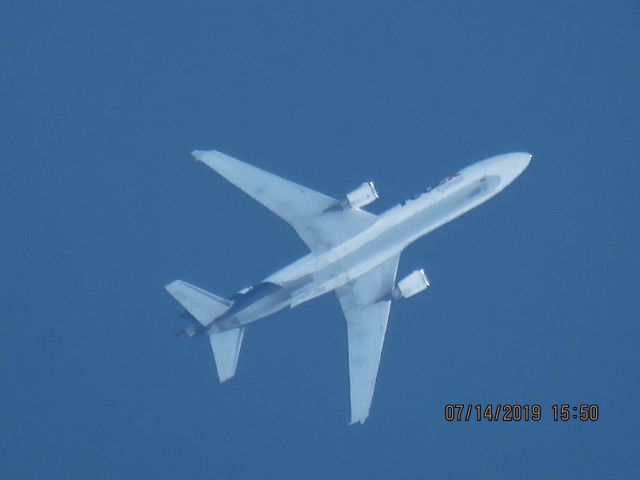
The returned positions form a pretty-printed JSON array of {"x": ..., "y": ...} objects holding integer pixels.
[{"x": 204, "y": 306}]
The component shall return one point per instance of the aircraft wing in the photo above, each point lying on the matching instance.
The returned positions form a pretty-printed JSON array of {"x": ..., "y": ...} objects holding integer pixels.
[
  {"x": 366, "y": 304},
  {"x": 317, "y": 218}
]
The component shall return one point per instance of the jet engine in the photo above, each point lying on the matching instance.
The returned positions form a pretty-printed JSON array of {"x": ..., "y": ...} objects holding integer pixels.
[
  {"x": 361, "y": 196},
  {"x": 412, "y": 284}
]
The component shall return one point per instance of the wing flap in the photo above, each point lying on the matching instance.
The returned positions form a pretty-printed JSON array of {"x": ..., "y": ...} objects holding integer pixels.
[
  {"x": 365, "y": 331},
  {"x": 288, "y": 200},
  {"x": 317, "y": 218},
  {"x": 332, "y": 228},
  {"x": 366, "y": 310}
]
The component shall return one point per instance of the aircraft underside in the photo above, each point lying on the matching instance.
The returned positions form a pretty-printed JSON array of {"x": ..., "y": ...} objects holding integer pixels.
[{"x": 353, "y": 253}]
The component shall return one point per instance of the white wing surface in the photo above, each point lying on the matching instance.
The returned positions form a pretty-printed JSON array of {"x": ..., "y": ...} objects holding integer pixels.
[
  {"x": 365, "y": 303},
  {"x": 317, "y": 218},
  {"x": 226, "y": 350},
  {"x": 202, "y": 305}
]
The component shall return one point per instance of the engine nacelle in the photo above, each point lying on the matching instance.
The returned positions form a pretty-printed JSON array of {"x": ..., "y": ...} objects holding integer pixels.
[
  {"x": 413, "y": 283},
  {"x": 361, "y": 196}
]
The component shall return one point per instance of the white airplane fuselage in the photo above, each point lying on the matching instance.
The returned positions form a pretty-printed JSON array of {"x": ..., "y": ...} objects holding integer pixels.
[{"x": 318, "y": 273}]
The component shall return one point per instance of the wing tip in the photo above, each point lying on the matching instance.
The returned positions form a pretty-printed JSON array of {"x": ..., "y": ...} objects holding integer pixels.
[
  {"x": 215, "y": 160},
  {"x": 170, "y": 287},
  {"x": 224, "y": 377},
  {"x": 198, "y": 155},
  {"x": 359, "y": 419}
]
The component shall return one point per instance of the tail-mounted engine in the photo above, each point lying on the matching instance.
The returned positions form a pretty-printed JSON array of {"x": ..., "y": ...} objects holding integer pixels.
[
  {"x": 361, "y": 196},
  {"x": 412, "y": 284}
]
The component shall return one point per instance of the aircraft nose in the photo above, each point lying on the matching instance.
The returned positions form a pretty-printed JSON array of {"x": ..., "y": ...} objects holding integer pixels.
[
  {"x": 507, "y": 166},
  {"x": 513, "y": 164},
  {"x": 523, "y": 160}
]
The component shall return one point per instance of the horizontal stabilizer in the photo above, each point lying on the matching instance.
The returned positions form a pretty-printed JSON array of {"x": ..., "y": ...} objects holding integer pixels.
[
  {"x": 226, "y": 350},
  {"x": 202, "y": 305}
]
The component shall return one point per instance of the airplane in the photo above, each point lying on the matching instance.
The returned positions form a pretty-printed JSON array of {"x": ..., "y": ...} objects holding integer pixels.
[{"x": 352, "y": 252}]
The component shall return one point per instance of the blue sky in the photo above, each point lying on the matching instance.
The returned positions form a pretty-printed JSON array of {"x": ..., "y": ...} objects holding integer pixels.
[{"x": 534, "y": 296}]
